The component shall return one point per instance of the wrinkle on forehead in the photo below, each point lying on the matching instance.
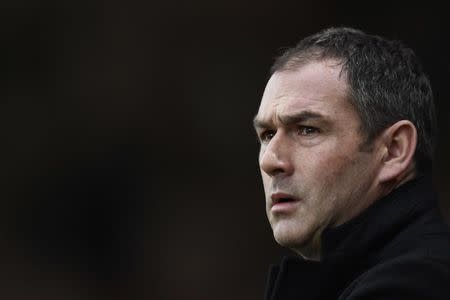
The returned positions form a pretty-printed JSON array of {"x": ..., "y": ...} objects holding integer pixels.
[{"x": 317, "y": 86}]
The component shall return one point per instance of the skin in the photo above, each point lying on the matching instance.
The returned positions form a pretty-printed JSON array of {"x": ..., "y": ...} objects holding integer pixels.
[{"x": 311, "y": 150}]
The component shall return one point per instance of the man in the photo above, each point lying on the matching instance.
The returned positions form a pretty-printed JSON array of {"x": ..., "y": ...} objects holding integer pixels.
[{"x": 347, "y": 127}]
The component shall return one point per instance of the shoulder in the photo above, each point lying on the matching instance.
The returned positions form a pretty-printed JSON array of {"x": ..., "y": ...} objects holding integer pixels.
[{"x": 415, "y": 276}]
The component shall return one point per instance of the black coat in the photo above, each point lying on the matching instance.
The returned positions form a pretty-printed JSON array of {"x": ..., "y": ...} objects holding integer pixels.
[{"x": 398, "y": 249}]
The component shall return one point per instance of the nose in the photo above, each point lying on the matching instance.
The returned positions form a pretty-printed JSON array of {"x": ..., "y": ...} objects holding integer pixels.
[{"x": 274, "y": 158}]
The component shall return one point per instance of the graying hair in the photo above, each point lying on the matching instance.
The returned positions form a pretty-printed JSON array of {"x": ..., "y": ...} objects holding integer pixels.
[{"x": 386, "y": 82}]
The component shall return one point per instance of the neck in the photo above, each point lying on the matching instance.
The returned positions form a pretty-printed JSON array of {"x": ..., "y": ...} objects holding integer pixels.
[{"x": 311, "y": 250}]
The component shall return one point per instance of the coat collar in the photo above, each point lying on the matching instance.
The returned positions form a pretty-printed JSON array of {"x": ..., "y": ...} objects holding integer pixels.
[{"x": 379, "y": 223}]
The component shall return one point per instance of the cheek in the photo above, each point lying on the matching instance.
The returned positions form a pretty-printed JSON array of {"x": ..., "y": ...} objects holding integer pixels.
[
  {"x": 341, "y": 177},
  {"x": 330, "y": 163},
  {"x": 320, "y": 168},
  {"x": 328, "y": 177}
]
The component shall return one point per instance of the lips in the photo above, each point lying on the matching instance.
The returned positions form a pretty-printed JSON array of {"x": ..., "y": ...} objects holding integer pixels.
[
  {"x": 283, "y": 202},
  {"x": 282, "y": 197}
]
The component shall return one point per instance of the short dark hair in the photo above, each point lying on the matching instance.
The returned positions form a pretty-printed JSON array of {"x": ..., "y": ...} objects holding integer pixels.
[{"x": 385, "y": 78}]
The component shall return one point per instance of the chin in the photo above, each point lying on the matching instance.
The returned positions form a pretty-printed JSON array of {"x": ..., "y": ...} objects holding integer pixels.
[
  {"x": 289, "y": 237},
  {"x": 300, "y": 239}
]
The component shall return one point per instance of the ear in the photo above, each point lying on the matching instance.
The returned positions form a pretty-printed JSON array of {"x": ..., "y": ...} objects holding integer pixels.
[{"x": 398, "y": 147}]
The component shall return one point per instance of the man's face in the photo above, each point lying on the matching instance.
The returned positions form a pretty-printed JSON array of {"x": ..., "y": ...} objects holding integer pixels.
[{"x": 314, "y": 172}]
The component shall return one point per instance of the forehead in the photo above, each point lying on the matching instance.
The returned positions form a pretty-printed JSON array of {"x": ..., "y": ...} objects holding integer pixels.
[{"x": 317, "y": 86}]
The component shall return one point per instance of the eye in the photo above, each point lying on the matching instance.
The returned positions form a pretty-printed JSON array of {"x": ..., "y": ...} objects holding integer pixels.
[
  {"x": 307, "y": 130},
  {"x": 266, "y": 135}
]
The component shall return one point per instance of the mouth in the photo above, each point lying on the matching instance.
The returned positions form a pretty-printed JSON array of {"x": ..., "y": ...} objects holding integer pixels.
[{"x": 282, "y": 202}]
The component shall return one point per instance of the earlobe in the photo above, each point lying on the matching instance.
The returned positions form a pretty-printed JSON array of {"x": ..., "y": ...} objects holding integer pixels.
[{"x": 399, "y": 145}]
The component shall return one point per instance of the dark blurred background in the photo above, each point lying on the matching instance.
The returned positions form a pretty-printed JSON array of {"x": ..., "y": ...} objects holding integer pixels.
[{"x": 129, "y": 163}]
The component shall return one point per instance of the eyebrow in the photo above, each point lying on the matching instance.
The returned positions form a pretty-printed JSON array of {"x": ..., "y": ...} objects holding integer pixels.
[{"x": 288, "y": 119}]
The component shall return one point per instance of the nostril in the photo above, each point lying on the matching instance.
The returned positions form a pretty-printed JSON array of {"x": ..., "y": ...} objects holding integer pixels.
[{"x": 277, "y": 171}]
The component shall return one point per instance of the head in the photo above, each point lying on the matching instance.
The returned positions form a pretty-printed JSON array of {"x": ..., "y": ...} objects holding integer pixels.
[{"x": 345, "y": 118}]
